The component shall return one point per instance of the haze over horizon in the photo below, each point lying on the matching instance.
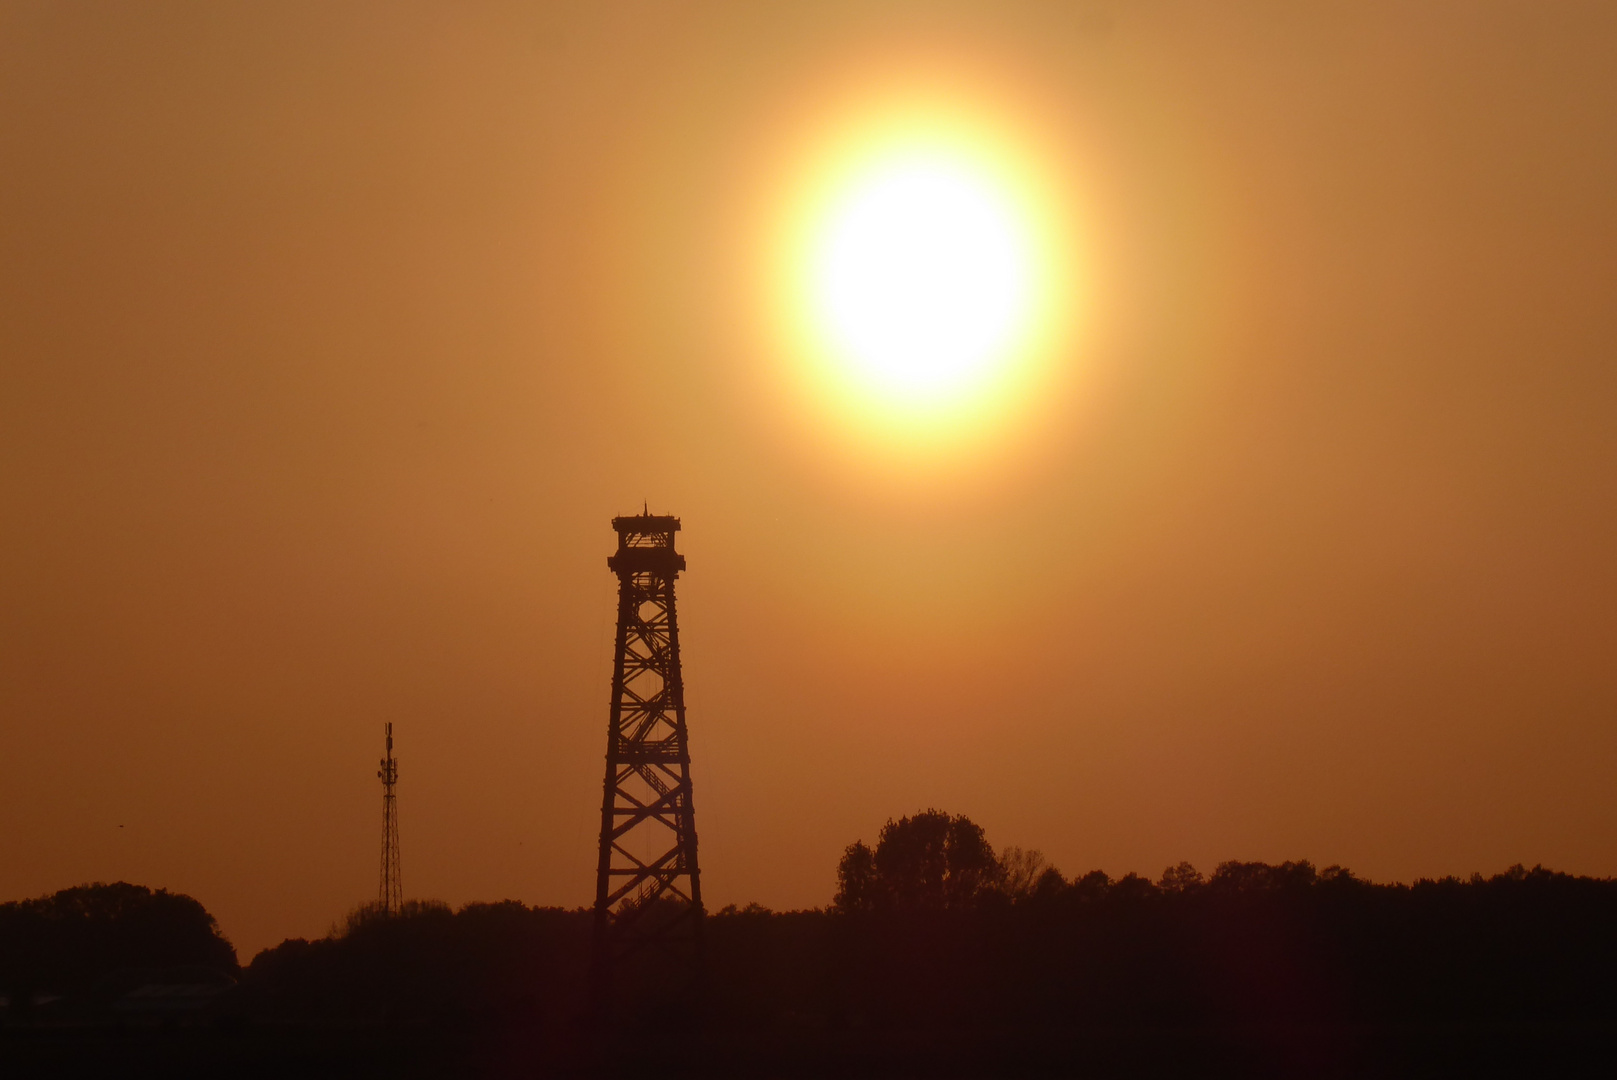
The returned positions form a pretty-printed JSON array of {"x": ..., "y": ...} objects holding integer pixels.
[{"x": 335, "y": 335}]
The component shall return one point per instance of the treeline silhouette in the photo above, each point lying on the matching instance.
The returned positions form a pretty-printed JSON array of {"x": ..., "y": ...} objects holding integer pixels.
[
  {"x": 935, "y": 929},
  {"x": 73, "y": 940},
  {"x": 501, "y": 962},
  {"x": 940, "y": 955}
]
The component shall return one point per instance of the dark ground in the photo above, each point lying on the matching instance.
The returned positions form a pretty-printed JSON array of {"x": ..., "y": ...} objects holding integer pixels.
[
  {"x": 1461, "y": 1050},
  {"x": 1261, "y": 971}
]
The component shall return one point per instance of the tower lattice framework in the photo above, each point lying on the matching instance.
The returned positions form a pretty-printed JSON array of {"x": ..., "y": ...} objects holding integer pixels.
[
  {"x": 648, "y": 891},
  {"x": 390, "y": 893}
]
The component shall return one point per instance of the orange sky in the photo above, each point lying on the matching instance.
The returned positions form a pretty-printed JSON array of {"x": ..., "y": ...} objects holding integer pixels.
[{"x": 334, "y": 335}]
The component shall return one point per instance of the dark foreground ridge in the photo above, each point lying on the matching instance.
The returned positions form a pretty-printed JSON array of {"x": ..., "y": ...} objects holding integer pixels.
[{"x": 938, "y": 958}]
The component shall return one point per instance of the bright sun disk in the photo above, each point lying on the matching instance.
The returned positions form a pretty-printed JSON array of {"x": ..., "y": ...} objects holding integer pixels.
[{"x": 920, "y": 280}]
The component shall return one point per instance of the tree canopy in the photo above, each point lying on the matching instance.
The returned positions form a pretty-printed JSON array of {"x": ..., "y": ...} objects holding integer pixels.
[
  {"x": 70, "y": 938},
  {"x": 930, "y": 861}
]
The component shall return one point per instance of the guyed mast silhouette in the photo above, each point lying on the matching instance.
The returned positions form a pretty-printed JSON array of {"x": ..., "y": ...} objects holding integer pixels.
[{"x": 648, "y": 890}]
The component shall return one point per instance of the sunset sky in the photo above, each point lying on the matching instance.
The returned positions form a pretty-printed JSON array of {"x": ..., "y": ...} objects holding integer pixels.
[{"x": 1277, "y": 522}]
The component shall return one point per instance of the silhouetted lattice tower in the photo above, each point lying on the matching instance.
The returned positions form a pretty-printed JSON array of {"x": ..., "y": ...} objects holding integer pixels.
[
  {"x": 390, "y": 895},
  {"x": 648, "y": 891}
]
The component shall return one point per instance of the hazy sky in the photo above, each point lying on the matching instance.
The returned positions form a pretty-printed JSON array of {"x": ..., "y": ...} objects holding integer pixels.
[{"x": 332, "y": 336}]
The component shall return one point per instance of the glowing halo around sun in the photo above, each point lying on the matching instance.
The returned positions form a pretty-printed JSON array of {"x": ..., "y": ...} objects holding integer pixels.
[{"x": 922, "y": 279}]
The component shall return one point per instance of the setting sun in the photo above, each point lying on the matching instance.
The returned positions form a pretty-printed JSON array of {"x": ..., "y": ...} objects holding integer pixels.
[
  {"x": 921, "y": 279},
  {"x": 923, "y": 285}
]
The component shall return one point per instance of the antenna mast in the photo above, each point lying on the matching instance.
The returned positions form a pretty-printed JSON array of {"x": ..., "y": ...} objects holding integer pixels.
[{"x": 390, "y": 896}]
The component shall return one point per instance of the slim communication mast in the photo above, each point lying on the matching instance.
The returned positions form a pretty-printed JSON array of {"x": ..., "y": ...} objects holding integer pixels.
[
  {"x": 648, "y": 891},
  {"x": 390, "y": 896}
]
